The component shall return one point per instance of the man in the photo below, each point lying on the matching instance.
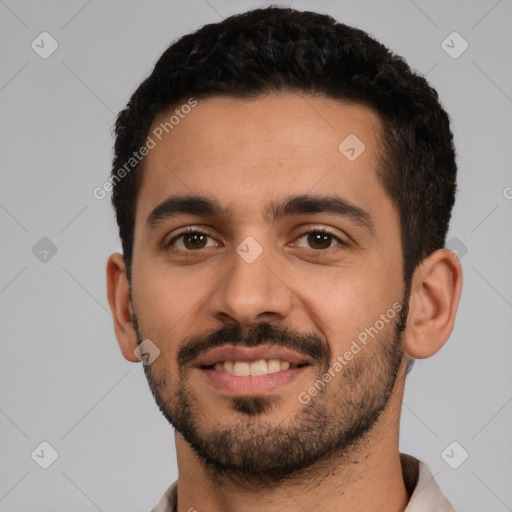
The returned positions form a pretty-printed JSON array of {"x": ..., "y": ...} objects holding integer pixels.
[{"x": 283, "y": 187}]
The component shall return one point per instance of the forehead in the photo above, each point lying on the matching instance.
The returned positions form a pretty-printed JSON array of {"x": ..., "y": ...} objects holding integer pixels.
[{"x": 247, "y": 153}]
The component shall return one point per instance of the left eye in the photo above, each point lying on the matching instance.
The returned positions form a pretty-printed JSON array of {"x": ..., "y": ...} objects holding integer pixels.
[{"x": 320, "y": 239}]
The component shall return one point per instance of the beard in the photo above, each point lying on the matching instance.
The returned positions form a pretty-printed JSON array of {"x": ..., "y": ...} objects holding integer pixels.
[{"x": 255, "y": 451}]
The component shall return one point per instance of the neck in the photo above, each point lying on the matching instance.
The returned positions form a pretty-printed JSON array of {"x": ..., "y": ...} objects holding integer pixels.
[{"x": 368, "y": 476}]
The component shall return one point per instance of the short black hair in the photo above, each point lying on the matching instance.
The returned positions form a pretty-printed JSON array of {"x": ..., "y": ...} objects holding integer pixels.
[{"x": 275, "y": 50}]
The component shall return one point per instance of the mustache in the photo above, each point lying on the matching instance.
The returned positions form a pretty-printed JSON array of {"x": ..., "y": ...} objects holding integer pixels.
[{"x": 260, "y": 334}]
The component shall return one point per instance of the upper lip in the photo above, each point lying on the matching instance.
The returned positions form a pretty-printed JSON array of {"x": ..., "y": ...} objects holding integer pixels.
[{"x": 249, "y": 354}]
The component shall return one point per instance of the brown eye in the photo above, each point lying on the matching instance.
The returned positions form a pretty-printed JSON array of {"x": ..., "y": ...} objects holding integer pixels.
[
  {"x": 320, "y": 240},
  {"x": 192, "y": 241}
]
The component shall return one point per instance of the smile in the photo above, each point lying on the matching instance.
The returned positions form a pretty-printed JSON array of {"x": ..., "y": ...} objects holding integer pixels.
[
  {"x": 254, "y": 368},
  {"x": 239, "y": 371}
]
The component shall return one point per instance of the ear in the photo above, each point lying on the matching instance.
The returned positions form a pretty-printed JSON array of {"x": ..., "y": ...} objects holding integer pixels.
[
  {"x": 119, "y": 298},
  {"x": 435, "y": 293}
]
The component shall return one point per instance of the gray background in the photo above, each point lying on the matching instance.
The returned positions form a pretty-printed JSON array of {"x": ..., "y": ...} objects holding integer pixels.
[{"x": 62, "y": 377}]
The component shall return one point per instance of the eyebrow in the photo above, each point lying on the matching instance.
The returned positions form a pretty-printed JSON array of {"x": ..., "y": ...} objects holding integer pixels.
[{"x": 203, "y": 206}]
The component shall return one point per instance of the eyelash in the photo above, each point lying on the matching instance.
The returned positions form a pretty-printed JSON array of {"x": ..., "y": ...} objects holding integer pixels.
[{"x": 194, "y": 231}]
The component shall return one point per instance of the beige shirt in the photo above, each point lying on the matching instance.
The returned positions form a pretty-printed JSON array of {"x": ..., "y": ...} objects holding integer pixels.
[{"x": 421, "y": 486}]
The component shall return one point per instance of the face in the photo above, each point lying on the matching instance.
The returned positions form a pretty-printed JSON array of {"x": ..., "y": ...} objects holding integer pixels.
[{"x": 267, "y": 269}]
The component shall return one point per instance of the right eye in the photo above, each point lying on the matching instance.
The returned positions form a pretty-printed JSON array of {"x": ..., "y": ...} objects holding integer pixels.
[{"x": 191, "y": 241}]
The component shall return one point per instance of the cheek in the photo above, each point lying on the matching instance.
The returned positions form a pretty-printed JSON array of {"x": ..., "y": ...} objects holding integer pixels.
[
  {"x": 164, "y": 299},
  {"x": 349, "y": 301}
]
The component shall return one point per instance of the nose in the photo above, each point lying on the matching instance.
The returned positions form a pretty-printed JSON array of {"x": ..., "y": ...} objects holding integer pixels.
[{"x": 251, "y": 291}]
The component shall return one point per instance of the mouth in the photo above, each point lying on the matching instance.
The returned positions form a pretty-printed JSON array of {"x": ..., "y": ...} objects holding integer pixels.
[
  {"x": 253, "y": 368},
  {"x": 251, "y": 371}
]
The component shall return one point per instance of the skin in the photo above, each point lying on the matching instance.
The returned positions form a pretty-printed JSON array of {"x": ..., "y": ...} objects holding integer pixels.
[{"x": 246, "y": 154}]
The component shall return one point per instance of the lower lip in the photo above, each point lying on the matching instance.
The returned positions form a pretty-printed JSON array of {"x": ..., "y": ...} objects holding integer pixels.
[{"x": 252, "y": 384}]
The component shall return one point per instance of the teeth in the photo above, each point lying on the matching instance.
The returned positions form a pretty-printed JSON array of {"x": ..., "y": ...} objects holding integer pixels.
[
  {"x": 261, "y": 367},
  {"x": 242, "y": 369},
  {"x": 228, "y": 367},
  {"x": 258, "y": 367},
  {"x": 273, "y": 366}
]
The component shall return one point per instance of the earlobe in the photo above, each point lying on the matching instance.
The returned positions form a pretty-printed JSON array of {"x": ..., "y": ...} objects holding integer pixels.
[
  {"x": 435, "y": 293},
  {"x": 119, "y": 299}
]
